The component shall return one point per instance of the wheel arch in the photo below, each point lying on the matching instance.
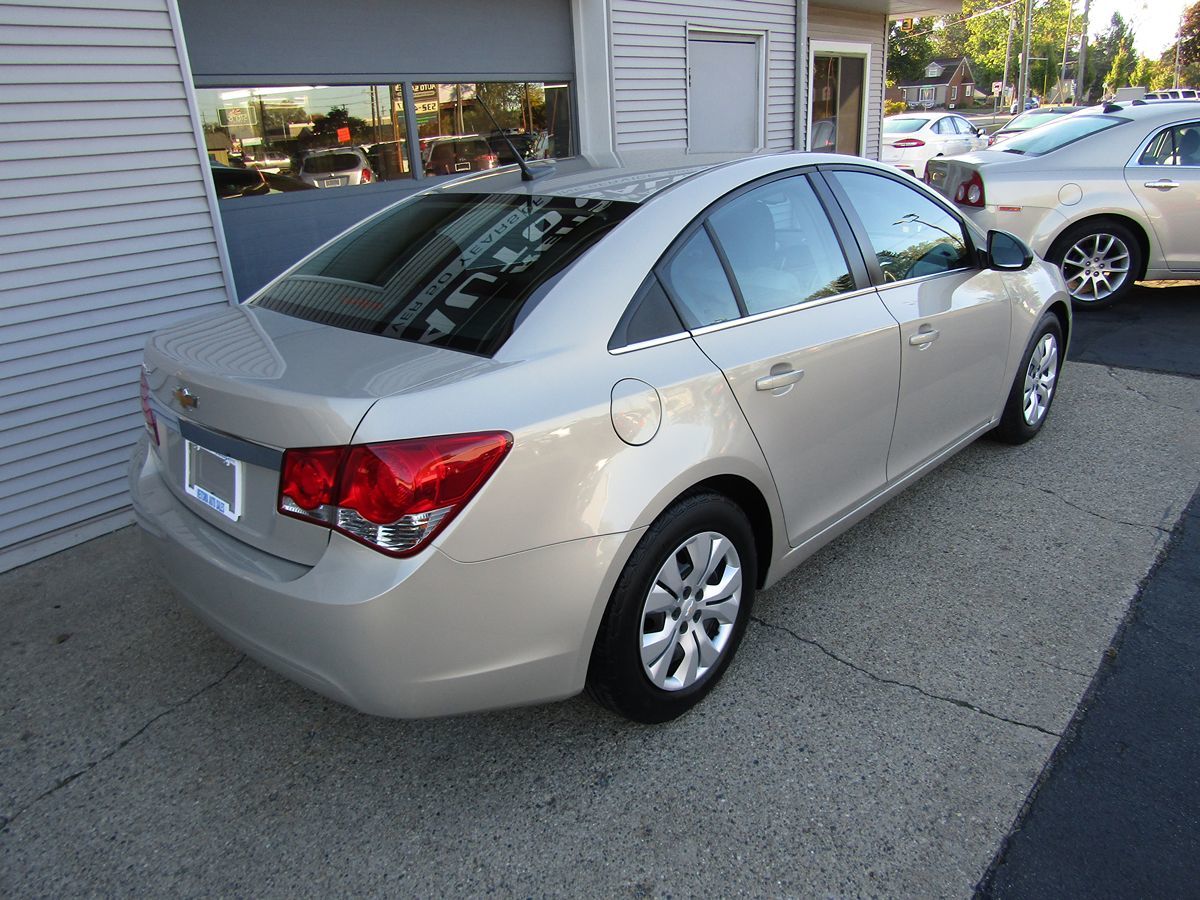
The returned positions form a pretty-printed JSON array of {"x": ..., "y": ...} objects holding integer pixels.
[
  {"x": 749, "y": 498},
  {"x": 1135, "y": 227}
]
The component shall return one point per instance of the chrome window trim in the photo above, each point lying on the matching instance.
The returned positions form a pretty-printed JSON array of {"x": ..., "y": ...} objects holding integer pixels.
[
  {"x": 785, "y": 310},
  {"x": 921, "y": 278},
  {"x": 653, "y": 342}
]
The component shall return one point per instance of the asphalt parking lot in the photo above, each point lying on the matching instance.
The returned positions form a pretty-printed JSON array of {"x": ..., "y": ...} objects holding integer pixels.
[{"x": 895, "y": 701}]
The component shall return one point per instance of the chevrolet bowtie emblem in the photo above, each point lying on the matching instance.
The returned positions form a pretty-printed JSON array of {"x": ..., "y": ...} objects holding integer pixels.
[{"x": 186, "y": 398}]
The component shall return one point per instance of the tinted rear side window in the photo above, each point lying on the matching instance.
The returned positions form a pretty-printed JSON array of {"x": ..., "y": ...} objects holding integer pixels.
[{"x": 449, "y": 270}]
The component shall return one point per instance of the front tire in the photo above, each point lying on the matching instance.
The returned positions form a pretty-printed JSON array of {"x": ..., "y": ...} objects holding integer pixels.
[
  {"x": 1035, "y": 385},
  {"x": 1099, "y": 261},
  {"x": 678, "y": 611}
]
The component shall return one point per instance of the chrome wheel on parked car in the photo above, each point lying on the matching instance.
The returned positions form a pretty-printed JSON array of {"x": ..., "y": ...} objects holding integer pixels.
[
  {"x": 1040, "y": 376},
  {"x": 1096, "y": 267},
  {"x": 690, "y": 611}
]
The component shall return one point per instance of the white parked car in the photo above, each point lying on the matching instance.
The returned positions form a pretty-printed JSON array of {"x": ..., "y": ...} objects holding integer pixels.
[
  {"x": 912, "y": 139},
  {"x": 1110, "y": 194}
]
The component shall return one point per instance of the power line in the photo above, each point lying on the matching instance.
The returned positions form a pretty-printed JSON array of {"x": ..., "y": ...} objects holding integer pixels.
[{"x": 986, "y": 12}]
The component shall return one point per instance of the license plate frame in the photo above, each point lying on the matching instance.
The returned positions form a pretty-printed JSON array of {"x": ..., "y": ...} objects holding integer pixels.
[{"x": 214, "y": 479}]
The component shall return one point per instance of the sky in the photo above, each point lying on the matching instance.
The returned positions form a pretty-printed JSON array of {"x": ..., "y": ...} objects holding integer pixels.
[{"x": 1154, "y": 21}]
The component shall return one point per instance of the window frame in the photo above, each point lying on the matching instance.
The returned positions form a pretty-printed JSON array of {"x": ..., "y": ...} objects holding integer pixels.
[
  {"x": 855, "y": 263},
  {"x": 1136, "y": 159},
  {"x": 867, "y": 249}
]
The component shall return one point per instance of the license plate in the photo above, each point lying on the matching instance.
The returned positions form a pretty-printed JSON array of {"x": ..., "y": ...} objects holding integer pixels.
[
  {"x": 462, "y": 167},
  {"x": 332, "y": 182},
  {"x": 213, "y": 479}
]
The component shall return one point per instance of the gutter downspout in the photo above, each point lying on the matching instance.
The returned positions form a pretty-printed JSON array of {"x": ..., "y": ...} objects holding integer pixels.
[{"x": 802, "y": 98}]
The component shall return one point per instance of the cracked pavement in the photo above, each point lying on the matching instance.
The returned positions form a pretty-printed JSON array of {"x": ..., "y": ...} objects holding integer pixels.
[{"x": 894, "y": 700}]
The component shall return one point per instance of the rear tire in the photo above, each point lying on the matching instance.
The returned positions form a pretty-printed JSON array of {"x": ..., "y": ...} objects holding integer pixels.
[
  {"x": 678, "y": 611},
  {"x": 1099, "y": 260}
]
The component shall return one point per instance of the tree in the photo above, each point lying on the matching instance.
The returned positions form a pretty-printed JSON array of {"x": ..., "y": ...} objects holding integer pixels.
[
  {"x": 1189, "y": 37},
  {"x": 1123, "y": 66},
  {"x": 1102, "y": 52},
  {"x": 909, "y": 52}
]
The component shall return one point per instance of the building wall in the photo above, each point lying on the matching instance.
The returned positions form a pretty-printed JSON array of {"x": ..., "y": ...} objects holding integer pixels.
[
  {"x": 826, "y": 24},
  {"x": 106, "y": 234},
  {"x": 649, "y": 50}
]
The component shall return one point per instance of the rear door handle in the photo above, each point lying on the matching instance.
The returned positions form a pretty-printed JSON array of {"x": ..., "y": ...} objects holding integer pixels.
[
  {"x": 1163, "y": 184},
  {"x": 782, "y": 379},
  {"x": 924, "y": 338}
]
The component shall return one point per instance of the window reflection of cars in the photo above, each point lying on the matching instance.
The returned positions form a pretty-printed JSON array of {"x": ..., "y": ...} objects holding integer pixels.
[
  {"x": 336, "y": 168},
  {"x": 529, "y": 146},
  {"x": 269, "y": 161},
  {"x": 824, "y": 136},
  {"x": 448, "y": 156},
  {"x": 231, "y": 182}
]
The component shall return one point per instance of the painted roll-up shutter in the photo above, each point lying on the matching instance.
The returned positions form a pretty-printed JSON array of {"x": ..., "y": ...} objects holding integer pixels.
[
  {"x": 271, "y": 42},
  {"x": 649, "y": 46},
  {"x": 106, "y": 234},
  {"x": 826, "y": 24}
]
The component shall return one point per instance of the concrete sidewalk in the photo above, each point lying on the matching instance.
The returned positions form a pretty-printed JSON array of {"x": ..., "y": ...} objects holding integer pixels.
[{"x": 887, "y": 715}]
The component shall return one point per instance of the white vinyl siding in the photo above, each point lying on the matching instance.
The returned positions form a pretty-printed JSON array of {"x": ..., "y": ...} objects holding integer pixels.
[
  {"x": 649, "y": 50},
  {"x": 826, "y": 24},
  {"x": 106, "y": 234}
]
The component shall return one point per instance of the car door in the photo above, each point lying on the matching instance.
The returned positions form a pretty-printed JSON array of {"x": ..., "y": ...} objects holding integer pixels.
[
  {"x": 1165, "y": 179},
  {"x": 972, "y": 140},
  {"x": 950, "y": 142},
  {"x": 955, "y": 317},
  {"x": 808, "y": 348}
]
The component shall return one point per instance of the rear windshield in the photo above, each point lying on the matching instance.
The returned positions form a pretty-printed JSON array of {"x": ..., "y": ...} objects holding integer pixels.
[
  {"x": 1028, "y": 120},
  {"x": 1053, "y": 135},
  {"x": 902, "y": 126},
  {"x": 331, "y": 162},
  {"x": 449, "y": 270}
]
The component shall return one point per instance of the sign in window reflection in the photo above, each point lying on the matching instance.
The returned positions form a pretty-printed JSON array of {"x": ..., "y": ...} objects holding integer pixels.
[{"x": 267, "y": 140}]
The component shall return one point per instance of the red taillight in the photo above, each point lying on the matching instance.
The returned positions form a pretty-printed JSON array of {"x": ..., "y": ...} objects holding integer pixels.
[
  {"x": 367, "y": 175},
  {"x": 907, "y": 143},
  {"x": 970, "y": 192},
  {"x": 392, "y": 497},
  {"x": 147, "y": 410}
]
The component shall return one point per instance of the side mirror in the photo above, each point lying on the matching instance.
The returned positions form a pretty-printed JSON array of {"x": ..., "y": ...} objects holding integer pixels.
[
  {"x": 981, "y": 131},
  {"x": 1007, "y": 252}
]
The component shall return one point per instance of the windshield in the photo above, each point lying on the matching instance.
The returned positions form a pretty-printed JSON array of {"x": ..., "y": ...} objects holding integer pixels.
[
  {"x": 450, "y": 270},
  {"x": 1053, "y": 135},
  {"x": 1028, "y": 120},
  {"x": 902, "y": 126}
]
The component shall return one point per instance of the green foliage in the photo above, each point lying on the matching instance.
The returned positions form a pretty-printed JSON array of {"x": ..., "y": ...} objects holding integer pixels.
[
  {"x": 910, "y": 52},
  {"x": 1189, "y": 37},
  {"x": 894, "y": 107}
]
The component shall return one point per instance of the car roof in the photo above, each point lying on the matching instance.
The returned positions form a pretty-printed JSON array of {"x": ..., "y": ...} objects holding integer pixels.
[{"x": 576, "y": 178}]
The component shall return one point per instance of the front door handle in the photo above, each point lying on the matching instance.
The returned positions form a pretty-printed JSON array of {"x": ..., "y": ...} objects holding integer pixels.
[
  {"x": 924, "y": 338},
  {"x": 1163, "y": 184},
  {"x": 778, "y": 380}
]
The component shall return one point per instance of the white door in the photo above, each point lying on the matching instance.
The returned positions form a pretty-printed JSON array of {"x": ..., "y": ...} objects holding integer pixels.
[{"x": 723, "y": 98}]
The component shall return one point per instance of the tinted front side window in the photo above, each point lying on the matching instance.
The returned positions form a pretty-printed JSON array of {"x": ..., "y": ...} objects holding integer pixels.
[
  {"x": 781, "y": 246},
  {"x": 450, "y": 270},
  {"x": 911, "y": 235}
]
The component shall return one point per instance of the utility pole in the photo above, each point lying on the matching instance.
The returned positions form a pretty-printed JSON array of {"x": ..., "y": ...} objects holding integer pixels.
[
  {"x": 1024, "y": 79},
  {"x": 1012, "y": 24},
  {"x": 1178, "y": 41},
  {"x": 1081, "y": 86},
  {"x": 1062, "y": 75}
]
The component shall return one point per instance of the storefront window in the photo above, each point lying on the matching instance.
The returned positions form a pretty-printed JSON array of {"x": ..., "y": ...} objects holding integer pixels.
[{"x": 266, "y": 140}]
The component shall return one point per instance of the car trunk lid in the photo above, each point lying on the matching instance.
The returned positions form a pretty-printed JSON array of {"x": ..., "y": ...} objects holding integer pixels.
[{"x": 232, "y": 391}]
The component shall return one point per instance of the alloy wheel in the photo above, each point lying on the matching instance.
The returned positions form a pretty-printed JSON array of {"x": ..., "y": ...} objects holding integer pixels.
[
  {"x": 1095, "y": 267},
  {"x": 689, "y": 613},
  {"x": 1040, "y": 377}
]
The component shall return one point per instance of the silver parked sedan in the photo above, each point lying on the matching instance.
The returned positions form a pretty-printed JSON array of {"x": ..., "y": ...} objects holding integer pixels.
[
  {"x": 506, "y": 440},
  {"x": 1109, "y": 194}
]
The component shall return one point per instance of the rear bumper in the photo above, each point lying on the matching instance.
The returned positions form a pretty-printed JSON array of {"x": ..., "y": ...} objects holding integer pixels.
[
  {"x": 1037, "y": 226},
  {"x": 404, "y": 638}
]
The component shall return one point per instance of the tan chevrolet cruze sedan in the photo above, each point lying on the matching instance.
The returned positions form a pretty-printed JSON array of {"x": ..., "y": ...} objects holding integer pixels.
[{"x": 511, "y": 439}]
